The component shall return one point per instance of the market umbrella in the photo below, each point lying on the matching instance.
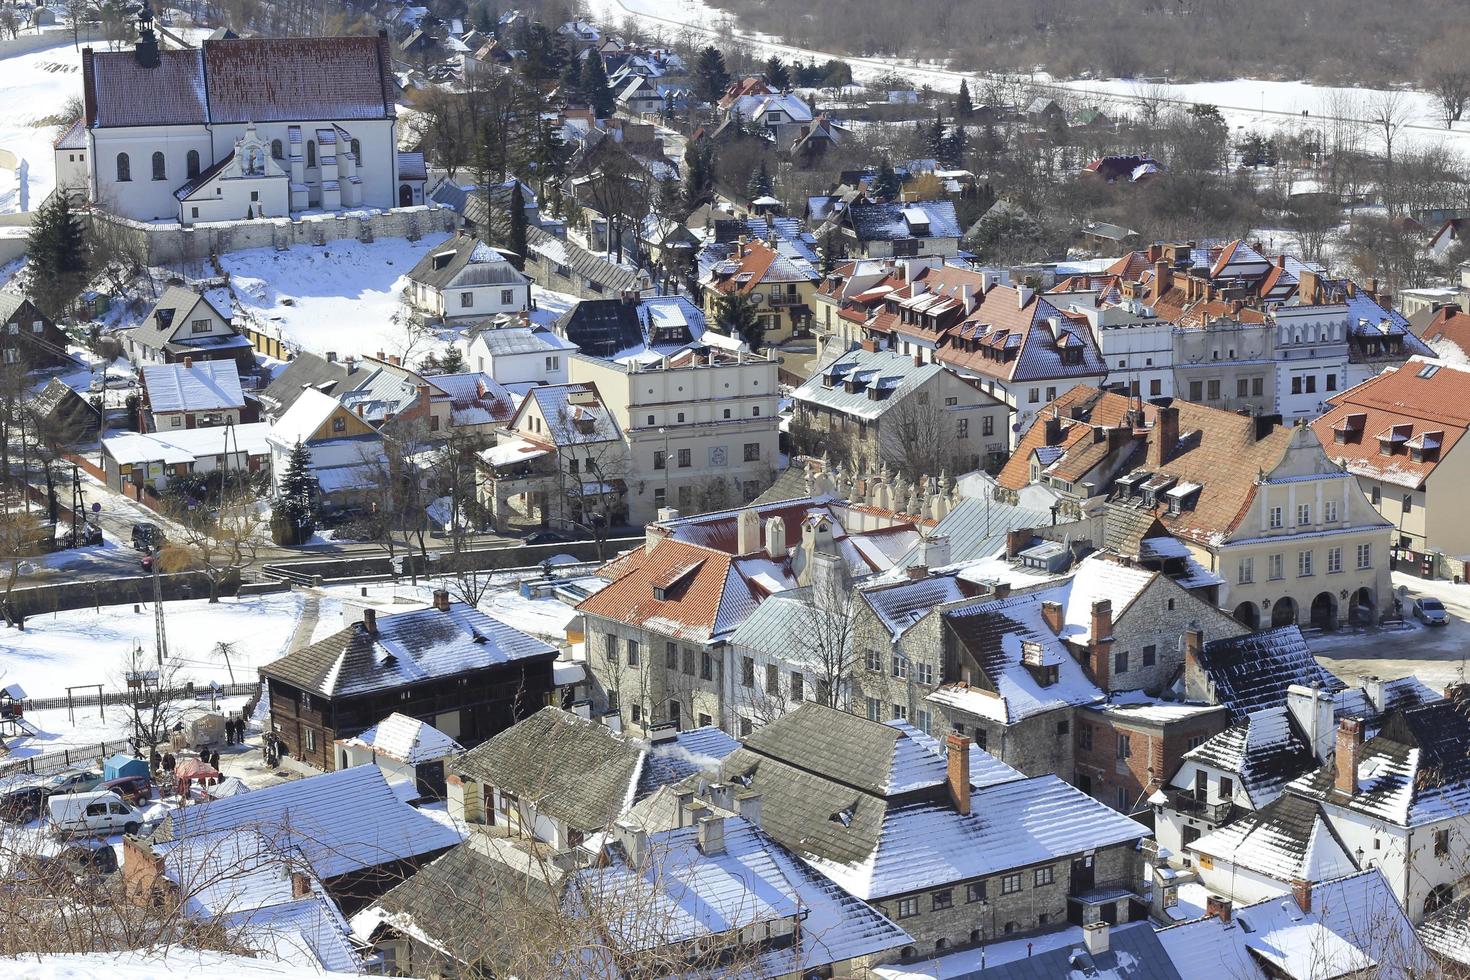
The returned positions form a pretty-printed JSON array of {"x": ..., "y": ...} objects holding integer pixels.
[{"x": 194, "y": 769}]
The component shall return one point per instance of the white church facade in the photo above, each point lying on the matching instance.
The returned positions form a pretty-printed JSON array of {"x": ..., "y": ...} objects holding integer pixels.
[{"x": 241, "y": 128}]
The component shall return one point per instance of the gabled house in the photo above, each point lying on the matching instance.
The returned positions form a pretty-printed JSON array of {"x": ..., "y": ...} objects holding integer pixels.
[
  {"x": 566, "y": 267},
  {"x": 1259, "y": 504},
  {"x": 1399, "y": 434},
  {"x": 901, "y": 229},
  {"x": 30, "y": 338},
  {"x": 779, "y": 285},
  {"x": 466, "y": 279},
  {"x": 330, "y": 375},
  {"x": 345, "y": 449},
  {"x": 409, "y": 752},
  {"x": 472, "y": 674},
  {"x": 956, "y": 847},
  {"x": 153, "y": 460},
  {"x": 519, "y": 357},
  {"x": 186, "y": 395},
  {"x": 185, "y": 324}
]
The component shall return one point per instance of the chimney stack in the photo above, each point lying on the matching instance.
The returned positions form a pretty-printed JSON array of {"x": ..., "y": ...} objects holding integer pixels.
[
  {"x": 1018, "y": 541},
  {"x": 1163, "y": 278},
  {"x": 1101, "y": 644},
  {"x": 441, "y": 600},
  {"x": 188, "y": 362},
  {"x": 776, "y": 538},
  {"x": 1166, "y": 436},
  {"x": 1301, "y": 890},
  {"x": 1051, "y": 614},
  {"x": 711, "y": 835},
  {"x": 1196, "y": 681},
  {"x": 1312, "y": 711},
  {"x": 1095, "y": 938},
  {"x": 370, "y": 621},
  {"x": 747, "y": 531},
  {"x": 300, "y": 885},
  {"x": 749, "y": 807},
  {"x": 1349, "y": 753},
  {"x": 1218, "y": 907},
  {"x": 958, "y": 767}
]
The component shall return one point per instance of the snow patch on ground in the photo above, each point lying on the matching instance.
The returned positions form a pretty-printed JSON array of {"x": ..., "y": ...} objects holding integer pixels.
[{"x": 37, "y": 86}]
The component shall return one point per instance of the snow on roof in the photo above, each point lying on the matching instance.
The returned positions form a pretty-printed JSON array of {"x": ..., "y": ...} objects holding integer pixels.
[
  {"x": 340, "y": 822},
  {"x": 1287, "y": 840},
  {"x": 1355, "y": 924},
  {"x": 1097, "y": 579},
  {"x": 406, "y": 739},
  {"x": 305, "y": 416},
  {"x": 1264, "y": 752},
  {"x": 1012, "y": 824},
  {"x": 188, "y": 445},
  {"x": 202, "y": 387}
]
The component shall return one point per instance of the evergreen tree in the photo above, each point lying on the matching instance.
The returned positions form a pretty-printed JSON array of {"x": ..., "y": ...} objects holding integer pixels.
[
  {"x": 934, "y": 136},
  {"x": 760, "y": 183},
  {"x": 963, "y": 107},
  {"x": 571, "y": 82},
  {"x": 58, "y": 254},
  {"x": 452, "y": 360},
  {"x": 886, "y": 185},
  {"x": 953, "y": 154},
  {"x": 296, "y": 509},
  {"x": 699, "y": 176},
  {"x": 516, "y": 238},
  {"x": 735, "y": 313},
  {"x": 548, "y": 158},
  {"x": 777, "y": 77},
  {"x": 831, "y": 252},
  {"x": 711, "y": 77},
  {"x": 595, "y": 86}
]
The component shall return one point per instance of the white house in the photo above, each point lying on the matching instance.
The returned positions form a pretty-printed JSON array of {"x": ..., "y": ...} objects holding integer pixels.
[
  {"x": 520, "y": 356},
  {"x": 465, "y": 279},
  {"x": 408, "y": 751},
  {"x": 279, "y": 124}
]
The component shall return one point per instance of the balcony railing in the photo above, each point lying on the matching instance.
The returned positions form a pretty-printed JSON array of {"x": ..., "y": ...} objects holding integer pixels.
[{"x": 1185, "y": 803}]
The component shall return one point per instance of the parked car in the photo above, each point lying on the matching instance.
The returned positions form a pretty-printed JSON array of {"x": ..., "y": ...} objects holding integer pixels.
[
  {"x": 147, "y": 536},
  {"x": 23, "y": 805},
  {"x": 546, "y": 537},
  {"x": 92, "y": 814},
  {"x": 76, "y": 781},
  {"x": 1430, "y": 611},
  {"x": 82, "y": 859},
  {"x": 130, "y": 788}
]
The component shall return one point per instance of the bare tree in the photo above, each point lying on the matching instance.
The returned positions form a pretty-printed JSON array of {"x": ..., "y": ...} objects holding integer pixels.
[
  {"x": 220, "y": 539},
  {"x": 152, "y": 707},
  {"x": 916, "y": 436},
  {"x": 592, "y": 475},
  {"x": 1389, "y": 111}
]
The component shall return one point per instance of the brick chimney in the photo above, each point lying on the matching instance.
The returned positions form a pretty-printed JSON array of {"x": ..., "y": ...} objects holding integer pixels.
[
  {"x": 1218, "y": 907},
  {"x": 300, "y": 885},
  {"x": 1051, "y": 614},
  {"x": 958, "y": 765},
  {"x": 1196, "y": 681},
  {"x": 188, "y": 362},
  {"x": 1301, "y": 890},
  {"x": 1101, "y": 645},
  {"x": 370, "y": 621},
  {"x": 142, "y": 871},
  {"x": 441, "y": 600},
  {"x": 1349, "y": 753},
  {"x": 1163, "y": 278},
  {"x": 1166, "y": 436},
  {"x": 1018, "y": 541}
]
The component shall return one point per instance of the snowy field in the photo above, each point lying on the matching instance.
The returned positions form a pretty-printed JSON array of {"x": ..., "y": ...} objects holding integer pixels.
[
  {"x": 158, "y": 965},
  {"x": 229, "y": 639},
  {"x": 36, "y": 87},
  {"x": 345, "y": 297},
  {"x": 1245, "y": 103}
]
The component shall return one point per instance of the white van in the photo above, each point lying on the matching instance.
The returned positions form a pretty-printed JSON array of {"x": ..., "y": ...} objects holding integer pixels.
[{"x": 98, "y": 813}]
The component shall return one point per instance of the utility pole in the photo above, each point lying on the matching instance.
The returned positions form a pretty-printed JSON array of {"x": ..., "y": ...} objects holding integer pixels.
[{"x": 160, "y": 637}]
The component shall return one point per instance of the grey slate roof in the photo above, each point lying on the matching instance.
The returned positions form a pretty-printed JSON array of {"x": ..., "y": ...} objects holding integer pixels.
[
  {"x": 1253, "y": 671},
  {"x": 439, "y": 266},
  {"x": 522, "y": 340},
  {"x": 977, "y": 528},
  {"x": 611, "y": 277},
  {"x": 1285, "y": 840},
  {"x": 1134, "y": 953},
  {"x": 408, "y": 648},
  {"x": 307, "y": 370},
  {"x": 1264, "y": 750},
  {"x": 569, "y": 768},
  {"x": 894, "y": 374},
  {"x": 167, "y": 317},
  {"x": 889, "y": 221}
]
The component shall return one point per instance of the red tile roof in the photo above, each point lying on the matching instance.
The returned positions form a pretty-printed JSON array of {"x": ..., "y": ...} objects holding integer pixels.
[{"x": 1420, "y": 399}]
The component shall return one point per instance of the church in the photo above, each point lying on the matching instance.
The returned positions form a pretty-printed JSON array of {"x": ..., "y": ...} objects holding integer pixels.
[{"x": 241, "y": 128}]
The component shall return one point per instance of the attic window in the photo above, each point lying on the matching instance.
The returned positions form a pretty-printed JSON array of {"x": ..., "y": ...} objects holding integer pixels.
[{"x": 1428, "y": 371}]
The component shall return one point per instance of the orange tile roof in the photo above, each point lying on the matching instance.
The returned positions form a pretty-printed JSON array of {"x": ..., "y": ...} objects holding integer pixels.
[
  {"x": 1452, "y": 325},
  {"x": 1398, "y": 397},
  {"x": 755, "y": 260},
  {"x": 1216, "y": 450},
  {"x": 699, "y": 579}
]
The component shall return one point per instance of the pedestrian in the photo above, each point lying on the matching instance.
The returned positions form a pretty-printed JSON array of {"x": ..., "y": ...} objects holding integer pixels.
[
  {"x": 155, "y": 762},
  {"x": 214, "y": 758},
  {"x": 229, "y": 731},
  {"x": 168, "y": 762}
]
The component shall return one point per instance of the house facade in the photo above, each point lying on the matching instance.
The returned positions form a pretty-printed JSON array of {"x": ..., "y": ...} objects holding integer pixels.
[
  {"x": 284, "y": 124},
  {"x": 183, "y": 324},
  {"x": 465, "y": 279},
  {"x": 28, "y": 337}
]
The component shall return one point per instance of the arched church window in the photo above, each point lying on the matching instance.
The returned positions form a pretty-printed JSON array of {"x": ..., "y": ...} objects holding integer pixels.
[
  {"x": 191, "y": 164},
  {"x": 159, "y": 169},
  {"x": 277, "y": 153},
  {"x": 311, "y": 153},
  {"x": 124, "y": 168}
]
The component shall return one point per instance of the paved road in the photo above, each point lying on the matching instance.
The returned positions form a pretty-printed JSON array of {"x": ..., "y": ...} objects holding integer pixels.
[{"x": 1436, "y": 655}]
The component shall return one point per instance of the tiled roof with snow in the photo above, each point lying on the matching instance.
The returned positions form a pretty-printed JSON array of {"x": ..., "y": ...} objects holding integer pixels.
[
  {"x": 407, "y": 740},
  {"x": 188, "y": 445},
  {"x": 340, "y": 822},
  {"x": 1252, "y": 671},
  {"x": 1264, "y": 752},
  {"x": 1286, "y": 840},
  {"x": 893, "y": 221},
  {"x": 893, "y": 375},
  {"x": 407, "y": 648},
  {"x": 203, "y": 387}
]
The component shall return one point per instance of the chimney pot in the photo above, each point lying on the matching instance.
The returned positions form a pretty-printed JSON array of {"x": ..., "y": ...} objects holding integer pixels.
[
  {"x": 958, "y": 772},
  {"x": 370, "y": 621},
  {"x": 441, "y": 600},
  {"x": 1095, "y": 936}
]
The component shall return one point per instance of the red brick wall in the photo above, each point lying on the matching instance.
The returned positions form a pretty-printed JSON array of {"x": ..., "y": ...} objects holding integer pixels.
[{"x": 1153, "y": 753}]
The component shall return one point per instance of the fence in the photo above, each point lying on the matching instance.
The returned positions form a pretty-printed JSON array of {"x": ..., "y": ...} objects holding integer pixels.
[
  {"x": 185, "y": 692},
  {"x": 65, "y": 759}
]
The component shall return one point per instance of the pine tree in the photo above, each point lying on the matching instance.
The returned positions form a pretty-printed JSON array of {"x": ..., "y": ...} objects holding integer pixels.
[
  {"x": 571, "y": 82},
  {"x": 954, "y": 147},
  {"x": 963, "y": 107},
  {"x": 934, "y": 137},
  {"x": 296, "y": 508},
  {"x": 760, "y": 183},
  {"x": 885, "y": 186},
  {"x": 736, "y": 315},
  {"x": 516, "y": 220},
  {"x": 57, "y": 247},
  {"x": 711, "y": 77},
  {"x": 595, "y": 86},
  {"x": 452, "y": 360},
  {"x": 699, "y": 178},
  {"x": 777, "y": 77}
]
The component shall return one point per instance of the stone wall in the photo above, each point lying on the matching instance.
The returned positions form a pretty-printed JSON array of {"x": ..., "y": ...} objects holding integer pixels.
[{"x": 170, "y": 244}]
